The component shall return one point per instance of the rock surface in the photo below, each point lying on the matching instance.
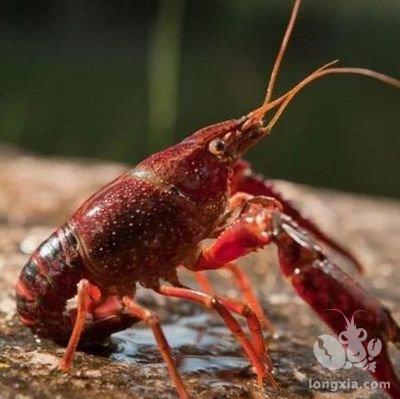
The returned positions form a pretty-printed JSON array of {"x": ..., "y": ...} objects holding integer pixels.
[{"x": 37, "y": 194}]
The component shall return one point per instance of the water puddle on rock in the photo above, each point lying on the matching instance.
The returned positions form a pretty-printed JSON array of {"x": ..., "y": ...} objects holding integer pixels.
[{"x": 198, "y": 343}]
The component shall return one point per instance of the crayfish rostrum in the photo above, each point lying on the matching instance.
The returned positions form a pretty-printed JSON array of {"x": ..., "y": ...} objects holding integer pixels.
[{"x": 139, "y": 228}]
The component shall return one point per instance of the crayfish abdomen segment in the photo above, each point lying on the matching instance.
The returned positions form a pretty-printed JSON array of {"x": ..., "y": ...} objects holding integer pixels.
[{"x": 46, "y": 282}]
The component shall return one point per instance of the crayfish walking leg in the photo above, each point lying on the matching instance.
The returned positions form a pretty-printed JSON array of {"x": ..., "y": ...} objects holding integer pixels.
[
  {"x": 82, "y": 311},
  {"x": 152, "y": 321},
  {"x": 244, "y": 285},
  {"x": 224, "y": 306},
  {"x": 317, "y": 281},
  {"x": 89, "y": 302}
]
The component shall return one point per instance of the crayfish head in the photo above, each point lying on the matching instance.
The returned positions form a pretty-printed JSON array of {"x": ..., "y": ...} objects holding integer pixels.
[
  {"x": 229, "y": 141},
  {"x": 200, "y": 166}
]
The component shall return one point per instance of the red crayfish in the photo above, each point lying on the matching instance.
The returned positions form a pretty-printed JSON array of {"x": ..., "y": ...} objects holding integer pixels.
[{"x": 139, "y": 228}]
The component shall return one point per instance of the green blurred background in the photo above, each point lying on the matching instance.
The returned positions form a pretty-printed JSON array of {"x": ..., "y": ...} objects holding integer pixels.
[{"x": 118, "y": 80}]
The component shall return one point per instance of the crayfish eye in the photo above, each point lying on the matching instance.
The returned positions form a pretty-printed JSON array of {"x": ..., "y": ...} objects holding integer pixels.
[{"x": 217, "y": 146}]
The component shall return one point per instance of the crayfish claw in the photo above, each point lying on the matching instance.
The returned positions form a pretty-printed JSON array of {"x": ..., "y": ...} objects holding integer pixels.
[{"x": 324, "y": 286}]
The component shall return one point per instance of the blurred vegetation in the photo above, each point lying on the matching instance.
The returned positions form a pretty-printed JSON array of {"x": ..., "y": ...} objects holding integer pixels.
[{"x": 120, "y": 79}]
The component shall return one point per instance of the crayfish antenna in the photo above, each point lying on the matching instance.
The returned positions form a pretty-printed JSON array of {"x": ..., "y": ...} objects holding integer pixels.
[
  {"x": 258, "y": 114},
  {"x": 282, "y": 51},
  {"x": 323, "y": 71}
]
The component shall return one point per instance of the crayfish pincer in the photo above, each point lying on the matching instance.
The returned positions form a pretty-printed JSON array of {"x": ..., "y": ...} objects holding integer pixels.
[{"x": 139, "y": 228}]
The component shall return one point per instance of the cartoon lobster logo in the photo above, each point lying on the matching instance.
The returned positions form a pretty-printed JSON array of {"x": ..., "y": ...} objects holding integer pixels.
[{"x": 349, "y": 349}]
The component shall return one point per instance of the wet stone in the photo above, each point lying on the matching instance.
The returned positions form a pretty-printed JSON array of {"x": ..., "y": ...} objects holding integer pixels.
[{"x": 37, "y": 194}]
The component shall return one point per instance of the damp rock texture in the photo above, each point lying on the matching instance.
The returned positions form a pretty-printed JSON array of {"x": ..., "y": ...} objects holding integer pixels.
[{"x": 37, "y": 194}]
